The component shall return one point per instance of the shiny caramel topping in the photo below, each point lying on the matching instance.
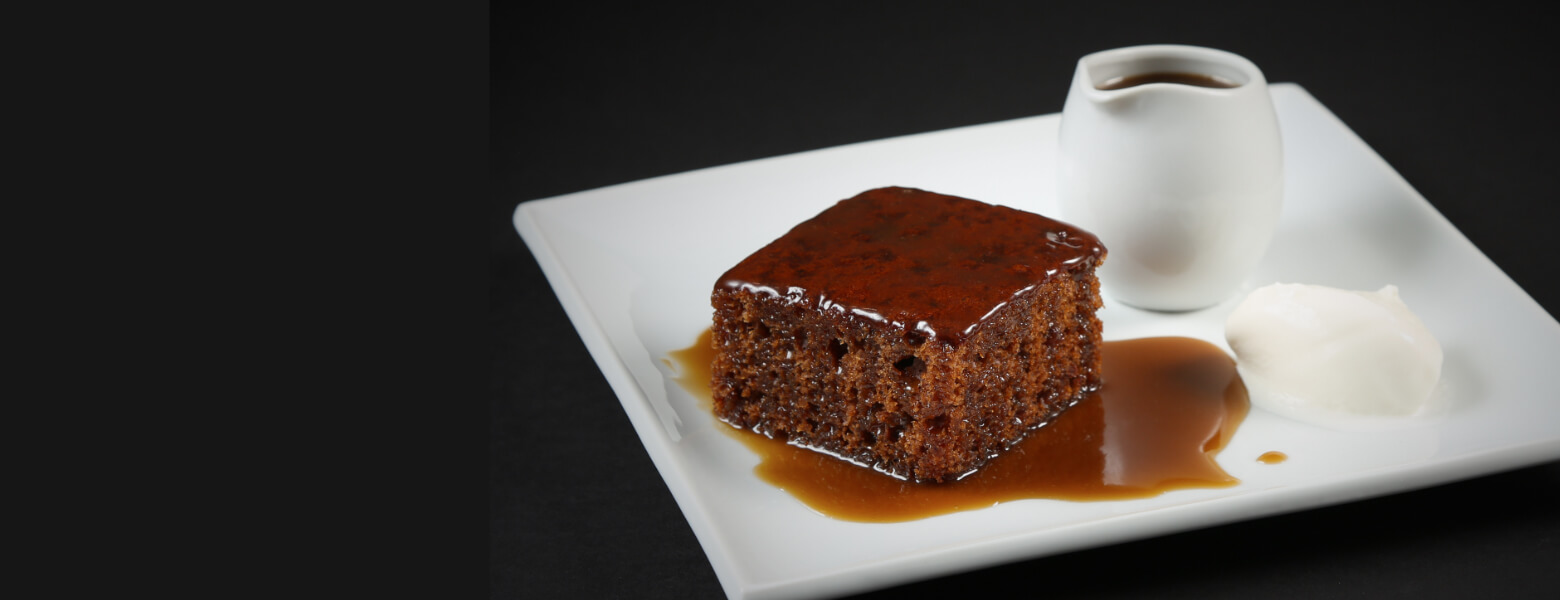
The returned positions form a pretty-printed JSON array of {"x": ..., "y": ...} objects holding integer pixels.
[{"x": 916, "y": 260}]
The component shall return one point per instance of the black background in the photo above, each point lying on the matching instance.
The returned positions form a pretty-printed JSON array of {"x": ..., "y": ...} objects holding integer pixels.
[{"x": 1455, "y": 97}]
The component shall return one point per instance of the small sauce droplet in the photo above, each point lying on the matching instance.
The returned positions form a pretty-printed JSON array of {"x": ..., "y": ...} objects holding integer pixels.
[{"x": 1272, "y": 458}]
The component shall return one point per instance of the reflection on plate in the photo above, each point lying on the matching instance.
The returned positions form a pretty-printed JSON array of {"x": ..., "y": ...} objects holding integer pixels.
[{"x": 633, "y": 265}]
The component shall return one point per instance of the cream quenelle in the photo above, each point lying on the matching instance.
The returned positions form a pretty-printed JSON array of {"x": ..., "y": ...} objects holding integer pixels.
[{"x": 1334, "y": 357}]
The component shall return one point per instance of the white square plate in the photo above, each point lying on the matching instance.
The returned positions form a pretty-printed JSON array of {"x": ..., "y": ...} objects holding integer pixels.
[{"x": 633, "y": 266}]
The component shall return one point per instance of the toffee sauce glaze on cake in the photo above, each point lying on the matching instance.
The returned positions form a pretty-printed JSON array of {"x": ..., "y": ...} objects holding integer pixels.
[
  {"x": 918, "y": 333},
  {"x": 918, "y": 261},
  {"x": 1166, "y": 407}
]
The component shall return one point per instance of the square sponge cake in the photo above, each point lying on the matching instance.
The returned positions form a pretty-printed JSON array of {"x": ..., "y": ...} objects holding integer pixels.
[{"x": 917, "y": 333}]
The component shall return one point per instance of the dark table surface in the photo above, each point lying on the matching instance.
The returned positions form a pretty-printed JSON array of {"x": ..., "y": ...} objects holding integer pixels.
[{"x": 584, "y": 96}]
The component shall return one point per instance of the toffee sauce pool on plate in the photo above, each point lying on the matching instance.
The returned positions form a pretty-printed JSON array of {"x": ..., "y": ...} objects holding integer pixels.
[{"x": 1165, "y": 408}]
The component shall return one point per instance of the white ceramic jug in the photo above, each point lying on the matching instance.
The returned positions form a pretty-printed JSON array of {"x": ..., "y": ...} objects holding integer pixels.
[{"x": 1171, "y": 155}]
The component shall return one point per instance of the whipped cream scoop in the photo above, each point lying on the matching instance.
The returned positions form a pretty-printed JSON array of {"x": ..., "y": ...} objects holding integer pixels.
[{"x": 1331, "y": 357}]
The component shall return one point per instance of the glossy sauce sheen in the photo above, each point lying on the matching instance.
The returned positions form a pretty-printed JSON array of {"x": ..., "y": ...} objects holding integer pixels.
[
  {"x": 915, "y": 259},
  {"x": 1194, "y": 79},
  {"x": 1166, "y": 408}
]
